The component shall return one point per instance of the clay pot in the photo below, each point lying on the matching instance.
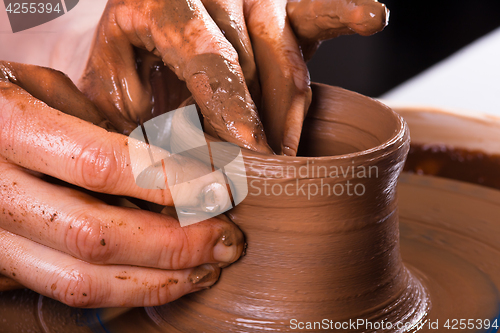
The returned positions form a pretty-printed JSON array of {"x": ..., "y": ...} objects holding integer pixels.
[
  {"x": 323, "y": 242},
  {"x": 322, "y": 230}
]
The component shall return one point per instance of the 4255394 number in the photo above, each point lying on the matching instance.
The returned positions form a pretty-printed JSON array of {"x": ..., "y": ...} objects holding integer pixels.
[
  {"x": 32, "y": 8},
  {"x": 462, "y": 324}
]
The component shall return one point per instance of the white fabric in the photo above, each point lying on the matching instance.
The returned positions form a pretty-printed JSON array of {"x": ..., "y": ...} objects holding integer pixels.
[{"x": 62, "y": 43}]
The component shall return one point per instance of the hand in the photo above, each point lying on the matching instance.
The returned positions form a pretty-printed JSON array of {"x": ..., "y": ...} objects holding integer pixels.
[
  {"x": 182, "y": 35},
  {"x": 282, "y": 34},
  {"x": 215, "y": 48},
  {"x": 62, "y": 242},
  {"x": 317, "y": 20}
]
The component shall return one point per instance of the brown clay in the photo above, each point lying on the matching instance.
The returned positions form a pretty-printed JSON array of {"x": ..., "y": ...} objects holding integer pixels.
[{"x": 315, "y": 255}]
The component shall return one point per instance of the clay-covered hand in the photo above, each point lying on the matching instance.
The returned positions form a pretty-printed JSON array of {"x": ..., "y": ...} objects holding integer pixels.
[
  {"x": 284, "y": 35},
  {"x": 182, "y": 35},
  {"x": 56, "y": 238},
  {"x": 314, "y": 21},
  {"x": 232, "y": 55}
]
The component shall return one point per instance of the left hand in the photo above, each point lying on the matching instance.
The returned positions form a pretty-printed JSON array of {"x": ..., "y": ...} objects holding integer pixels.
[{"x": 58, "y": 239}]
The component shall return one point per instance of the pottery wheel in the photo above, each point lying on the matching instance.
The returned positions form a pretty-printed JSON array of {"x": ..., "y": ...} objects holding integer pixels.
[{"x": 449, "y": 233}]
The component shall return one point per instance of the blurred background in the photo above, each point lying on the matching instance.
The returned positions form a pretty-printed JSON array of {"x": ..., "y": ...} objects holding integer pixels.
[{"x": 419, "y": 34}]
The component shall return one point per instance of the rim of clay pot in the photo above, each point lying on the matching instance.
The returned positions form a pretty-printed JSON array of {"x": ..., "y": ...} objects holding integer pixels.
[
  {"x": 363, "y": 119},
  {"x": 396, "y": 135}
]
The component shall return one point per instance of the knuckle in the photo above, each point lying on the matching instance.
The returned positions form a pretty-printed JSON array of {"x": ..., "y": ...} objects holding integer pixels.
[
  {"x": 85, "y": 239},
  {"x": 8, "y": 120},
  {"x": 161, "y": 292},
  {"x": 300, "y": 75},
  {"x": 210, "y": 41},
  {"x": 162, "y": 296},
  {"x": 97, "y": 167},
  {"x": 75, "y": 288},
  {"x": 178, "y": 255}
]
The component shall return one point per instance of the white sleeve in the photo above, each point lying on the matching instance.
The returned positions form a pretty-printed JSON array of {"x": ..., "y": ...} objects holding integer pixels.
[{"x": 62, "y": 43}]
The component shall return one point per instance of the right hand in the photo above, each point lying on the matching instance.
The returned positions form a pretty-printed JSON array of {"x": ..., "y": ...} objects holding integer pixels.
[
  {"x": 229, "y": 54},
  {"x": 57, "y": 239}
]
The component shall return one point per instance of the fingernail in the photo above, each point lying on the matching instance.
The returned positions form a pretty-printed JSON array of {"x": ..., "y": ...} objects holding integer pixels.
[
  {"x": 215, "y": 198},
  {"x": 224, "y": 253},
  {"x": 227, "y": 248},
  {"x": 204, "y": 276}
]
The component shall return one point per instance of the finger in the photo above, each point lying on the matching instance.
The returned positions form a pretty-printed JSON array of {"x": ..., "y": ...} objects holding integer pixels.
[
  {"x": 192, "y": 45},
  {"x": 209, "y": 65},
  {"x": 53, "y": 88},
  {"x": 283, "y": 74},
  {"x": 86, "y": 228},
  {"x": 229, "y": 17},
  {"x": 45, "y": 140},
  {"x": 111, "y": 79},
  {"x": 79, "y": 284},
  {"x": 167, "y": 91},
  {"x": 316, "y": 20}
]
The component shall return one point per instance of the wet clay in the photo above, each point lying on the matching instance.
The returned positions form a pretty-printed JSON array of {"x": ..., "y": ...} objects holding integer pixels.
[
  {"x": 216, "y": 79},
  {"x": 227, "y": 16},
  {"x": 337, "y": 257},
  {"x": 314, "y": 252},
  {"x": 448, "y": 234},
  {"x": 448, "y": 239}
]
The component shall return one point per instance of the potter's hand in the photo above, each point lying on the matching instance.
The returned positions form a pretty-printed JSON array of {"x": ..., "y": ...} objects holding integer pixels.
[
  {"x": 283, "y": 40},
  {"x": 186, "y": 38},
  {"x": 206, "y": 44},
  {"x": 283, "y": 35},
  {"x": 62, "y": 242},
  {"x": 317, "y": 20}
]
